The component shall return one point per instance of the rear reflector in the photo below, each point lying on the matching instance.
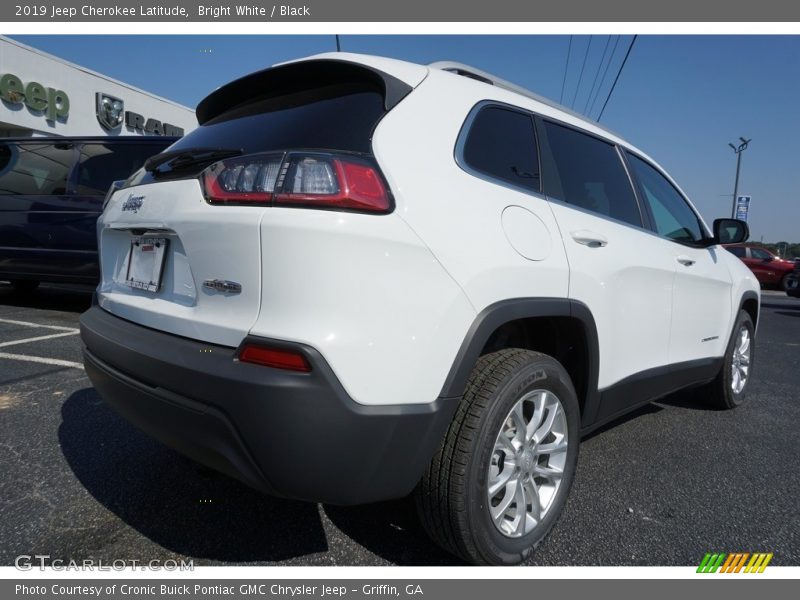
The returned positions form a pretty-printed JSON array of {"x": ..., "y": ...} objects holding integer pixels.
[
  {"x": 301, "y": 179},
  {"x": 275, "y": 358}
]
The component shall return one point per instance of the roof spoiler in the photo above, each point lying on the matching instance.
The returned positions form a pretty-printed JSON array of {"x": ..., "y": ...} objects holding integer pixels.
[{"x": 298, "y": 77}]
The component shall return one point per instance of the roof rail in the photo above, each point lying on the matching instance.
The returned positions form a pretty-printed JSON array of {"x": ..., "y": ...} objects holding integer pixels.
[{"x": 485, "y": 77}]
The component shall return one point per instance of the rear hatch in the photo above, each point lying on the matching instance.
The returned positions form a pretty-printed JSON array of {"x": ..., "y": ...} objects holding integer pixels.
[{"x": 179, "y": 257}]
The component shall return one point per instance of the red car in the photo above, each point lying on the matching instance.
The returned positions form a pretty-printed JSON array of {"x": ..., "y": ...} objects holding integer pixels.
[{"x": 770, "y": 269}]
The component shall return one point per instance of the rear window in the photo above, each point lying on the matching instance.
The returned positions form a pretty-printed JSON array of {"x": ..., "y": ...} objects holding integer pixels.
[
  {"x": 333, "y": 118},
  {"x": 35, "y": 169},
  {"x": 101, "y": 164}
]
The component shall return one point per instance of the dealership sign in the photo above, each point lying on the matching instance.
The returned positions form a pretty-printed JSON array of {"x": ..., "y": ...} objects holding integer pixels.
[
  {"x": 111, "y": 114},
  {"x": 51, "y": 102},
  {"x": 742, "y": 207}
]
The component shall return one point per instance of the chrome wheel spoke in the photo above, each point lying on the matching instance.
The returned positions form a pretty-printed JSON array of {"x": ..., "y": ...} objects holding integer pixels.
[
  {"x": 521, "y": 501},
  {"x": 552, "y": 448},
  {"x": 547, "y": 424},
  {"x": 520, "y": 424},
  {"x": 550, "y": 473},
  {"x": 499, "y": 512},
  {"x": 537, "y": 416},
  {"x": 498, "y": 483}
]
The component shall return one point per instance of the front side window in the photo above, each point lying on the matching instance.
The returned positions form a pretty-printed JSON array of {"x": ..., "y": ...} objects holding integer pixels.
[
  {"x": 34, "y": 169},
  {"x": 760, "y": 254},
  {"x": 672, "y": 215},
  {"x": 588, "y": 173},
  {"x": 501, "y": 143}
]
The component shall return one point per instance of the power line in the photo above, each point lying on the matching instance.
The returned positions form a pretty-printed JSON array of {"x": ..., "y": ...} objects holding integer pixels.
[
  {"x": 566, "y": 68},
  {"x": 605, "y": 72},
  {"x": 596, "y": 75},
  {"x": 616, "y": 79},
  {"x": 583, "y": 66}
]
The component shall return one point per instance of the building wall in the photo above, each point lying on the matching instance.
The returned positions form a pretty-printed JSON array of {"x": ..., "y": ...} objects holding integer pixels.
[{"x": 65, "y": 101}]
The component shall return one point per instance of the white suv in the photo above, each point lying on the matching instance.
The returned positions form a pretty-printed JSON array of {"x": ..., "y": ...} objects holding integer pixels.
[{"x": 360, "y": 277}]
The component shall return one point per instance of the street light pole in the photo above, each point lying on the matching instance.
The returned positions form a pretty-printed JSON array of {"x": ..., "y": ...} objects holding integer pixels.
[{"x": 738, "y": 150}]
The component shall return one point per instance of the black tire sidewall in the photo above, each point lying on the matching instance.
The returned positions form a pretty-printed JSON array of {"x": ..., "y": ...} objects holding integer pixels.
[
  {"x": 731, "y": 398},
  {"x": 539, "y": 373}
]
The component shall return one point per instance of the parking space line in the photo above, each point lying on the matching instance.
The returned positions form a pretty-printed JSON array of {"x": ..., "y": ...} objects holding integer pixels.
[
  {"x": 38, "y": 339},
  {"x": 28, "y": 324},
  {"x": 42, "y": 360}
]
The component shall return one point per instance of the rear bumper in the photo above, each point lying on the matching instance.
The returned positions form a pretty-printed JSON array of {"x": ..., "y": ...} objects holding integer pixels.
[{"x": 296, "y": 435}]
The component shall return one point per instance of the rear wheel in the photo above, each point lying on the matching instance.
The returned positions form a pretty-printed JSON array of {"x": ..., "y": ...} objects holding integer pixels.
[
  {"x": 502, "y": 474},
  {"x": 24, "y": 286},
  {"x": 729, "y": 389}
]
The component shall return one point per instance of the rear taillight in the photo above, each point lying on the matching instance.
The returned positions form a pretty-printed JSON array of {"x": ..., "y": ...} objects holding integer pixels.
[
  {"x": 277, "y": 358},
  {"x": 305, "y": 179}
]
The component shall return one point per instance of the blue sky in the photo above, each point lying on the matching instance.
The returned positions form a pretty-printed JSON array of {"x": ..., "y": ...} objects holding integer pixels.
[{"x": 681, "y": 99}]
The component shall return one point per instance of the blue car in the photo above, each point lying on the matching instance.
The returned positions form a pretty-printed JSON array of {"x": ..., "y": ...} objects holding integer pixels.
[{"x": 51, "y": 193}]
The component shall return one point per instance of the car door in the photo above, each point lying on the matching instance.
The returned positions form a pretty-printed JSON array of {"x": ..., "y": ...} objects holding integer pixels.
[
  {"x": 618, "y": 269},
  {"x": 701, "y": 298},
  {"x": 761, "y": 263}
]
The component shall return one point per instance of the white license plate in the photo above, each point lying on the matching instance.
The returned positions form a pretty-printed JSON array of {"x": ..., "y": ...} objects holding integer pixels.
[{"x": 145, "y": 263}]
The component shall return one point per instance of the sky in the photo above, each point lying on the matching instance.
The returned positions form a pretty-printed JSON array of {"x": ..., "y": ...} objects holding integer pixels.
[{"x": 680, "y": 99}]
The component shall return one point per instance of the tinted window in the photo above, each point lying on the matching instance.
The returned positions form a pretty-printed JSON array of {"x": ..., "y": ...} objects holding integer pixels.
[
  {"x": 100, "y": 164},
  {"x": 588, "y": 173},
  {"x": 737, "y": 251},
  {"x": 759, "y": 253},
  {"x": 34, "y": 169},
  {"x": 339, "y": 119},
  {"x": 674, "y": 218},
  {"x": 501, "y": 143}
]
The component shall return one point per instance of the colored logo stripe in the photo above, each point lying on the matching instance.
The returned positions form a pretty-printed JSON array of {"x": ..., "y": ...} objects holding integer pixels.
[{"x": 733, "y": 563}]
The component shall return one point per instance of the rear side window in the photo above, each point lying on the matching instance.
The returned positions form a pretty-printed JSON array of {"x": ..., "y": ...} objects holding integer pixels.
[
  {"x": 501, "y": 144},
  {"x": 672, "y": 215},
  {"x": 340, "y": 118},
  {"x": 35, "y": 169},
  {"x": 737, "y": 251},
  {"x": 101, "y": 164},
  {"x": 588, "y": 173}
]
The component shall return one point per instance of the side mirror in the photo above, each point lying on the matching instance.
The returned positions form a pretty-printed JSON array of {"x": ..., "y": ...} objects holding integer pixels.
[{"x": 730, "y": 231}]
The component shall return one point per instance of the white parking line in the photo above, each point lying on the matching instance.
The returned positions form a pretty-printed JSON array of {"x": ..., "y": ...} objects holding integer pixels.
[
  {"x": 27, "y": 324},
  {"x": 38, "y": 339},
  {"x": 45, "y": 361}
]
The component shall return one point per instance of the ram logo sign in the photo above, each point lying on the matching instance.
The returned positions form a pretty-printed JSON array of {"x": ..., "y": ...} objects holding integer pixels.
[{"x": 110, "y": 111}]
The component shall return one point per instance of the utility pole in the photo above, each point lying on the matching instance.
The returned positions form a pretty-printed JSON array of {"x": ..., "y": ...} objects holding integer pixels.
[
  {"x": 738, "y": 151},
  {"x": 338, "y": 44}
]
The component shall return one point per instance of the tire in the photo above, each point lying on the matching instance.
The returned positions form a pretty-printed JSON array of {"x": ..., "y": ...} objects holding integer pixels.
[
  {"x": 782, "y": 286},
  {"x": 453, "y": 496},
  {"x": 24, "y": 286},
  {"x": 722, "y": 392}
]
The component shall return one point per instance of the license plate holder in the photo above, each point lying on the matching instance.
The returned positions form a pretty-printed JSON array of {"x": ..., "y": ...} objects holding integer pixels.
[{"x": 146, "y": 263}]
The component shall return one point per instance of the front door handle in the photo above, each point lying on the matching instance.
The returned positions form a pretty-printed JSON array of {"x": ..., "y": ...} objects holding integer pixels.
[
  {"x": 686, "y": 261},
  {"x": 589, "y": 238}
]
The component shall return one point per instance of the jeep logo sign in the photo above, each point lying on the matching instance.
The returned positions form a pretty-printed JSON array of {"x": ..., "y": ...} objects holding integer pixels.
[{"x": 52, "y": 103}]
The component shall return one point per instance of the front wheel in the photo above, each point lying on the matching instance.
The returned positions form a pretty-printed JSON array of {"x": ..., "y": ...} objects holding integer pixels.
[
  {"x": 502, "y": 474},
  {"x": 729, "y": 389}
]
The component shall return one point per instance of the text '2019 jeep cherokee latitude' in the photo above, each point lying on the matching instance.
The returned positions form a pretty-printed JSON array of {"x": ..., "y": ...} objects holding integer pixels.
[{"x": 361, "y": 277}]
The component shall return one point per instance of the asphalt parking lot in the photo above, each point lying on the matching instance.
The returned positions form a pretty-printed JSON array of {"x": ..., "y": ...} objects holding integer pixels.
[{"x": 662, "y": 486}]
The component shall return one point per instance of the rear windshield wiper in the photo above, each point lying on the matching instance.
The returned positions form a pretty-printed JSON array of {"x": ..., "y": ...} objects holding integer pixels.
[{"x": 177, "y": 159}]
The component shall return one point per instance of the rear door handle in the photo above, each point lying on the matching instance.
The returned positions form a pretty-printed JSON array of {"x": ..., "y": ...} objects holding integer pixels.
[
  {"x": 686, "y": 261},
  {"x": 589, "y": 238}
]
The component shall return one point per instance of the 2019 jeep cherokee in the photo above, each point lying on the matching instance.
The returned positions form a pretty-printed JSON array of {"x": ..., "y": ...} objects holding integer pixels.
[{"x": 361, "y": 277}]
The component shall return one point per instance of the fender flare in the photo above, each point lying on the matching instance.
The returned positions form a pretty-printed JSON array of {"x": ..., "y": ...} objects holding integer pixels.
[{"x": 505, "y": 311}]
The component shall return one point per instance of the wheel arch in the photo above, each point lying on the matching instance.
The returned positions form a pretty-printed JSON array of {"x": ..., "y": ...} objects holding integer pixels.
[{"x": 556, "y": 326}]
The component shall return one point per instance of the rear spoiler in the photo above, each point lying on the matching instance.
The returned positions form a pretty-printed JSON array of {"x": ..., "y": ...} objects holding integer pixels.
[{"x": 298, "y": 77}]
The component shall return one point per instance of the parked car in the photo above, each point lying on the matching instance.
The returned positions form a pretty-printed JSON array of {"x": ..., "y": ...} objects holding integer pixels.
[
  {"x": 360, "y": 278},
  {"x": 769, "y": 268},
  {"x": 51, "y": 193}
]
